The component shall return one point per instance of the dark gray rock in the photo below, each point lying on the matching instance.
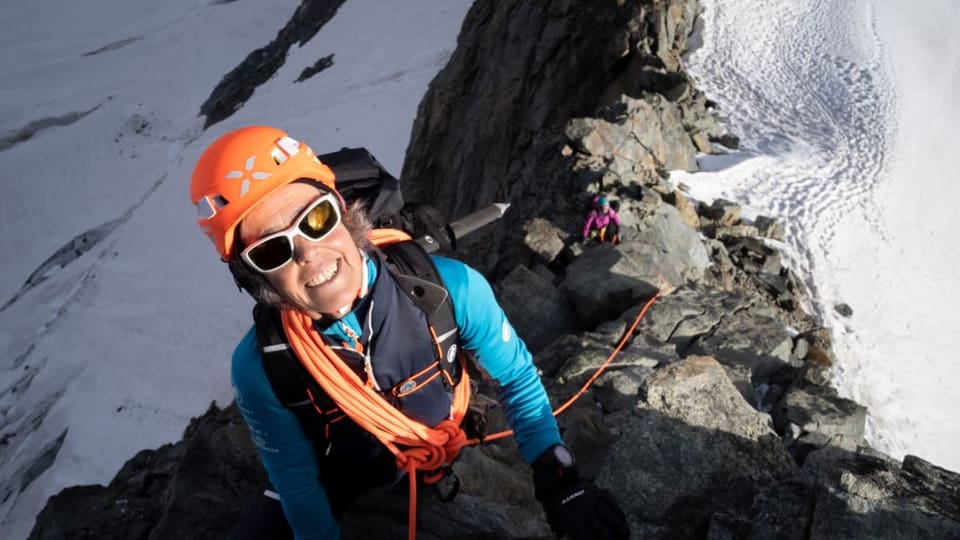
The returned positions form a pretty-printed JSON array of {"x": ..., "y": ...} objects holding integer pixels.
[
  {"x": 768, "y": 227},
  {"x": 668, "y": 252},
  {"x": 844, "y": 310},
  {"x": 723, "y": 212},
  {"x": 728, "y": 140},
  {"x": 538, "y": 310},
  {"x": 815, "y": 415},
  {"x": 604, "y": 282},
  {"x": 260, "y": 65},
  {"x": 865, "y": 496},
  {"x": 755, "y": 348},
  {"x": 690, "y": 312},
  {"x": 696, "y": 448},
  {"x": 722, "y": 272},
  {"x": 544, "y": 240},
  {"x": 193, "y": 489},
  {"x": 635, "y": 136},
  {"x": 573, "y": 359},
  {"x": 753, "y": 256}
]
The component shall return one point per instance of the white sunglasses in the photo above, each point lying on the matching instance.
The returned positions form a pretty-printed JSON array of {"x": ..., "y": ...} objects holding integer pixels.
[{"x": 274, "y": 251}]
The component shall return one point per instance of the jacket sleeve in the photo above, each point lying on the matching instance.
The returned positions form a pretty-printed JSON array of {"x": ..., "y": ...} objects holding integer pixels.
[
  {"x": 485, "y": 330},
  {"x": 286, "y": 452},
  {"x": 590, "y": 219}
]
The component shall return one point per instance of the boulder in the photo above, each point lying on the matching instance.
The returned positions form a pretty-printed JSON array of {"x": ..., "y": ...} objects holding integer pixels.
[
  {"x": 868, "y": 496},
  {"x": 635, "y": 135},
  {"x": 604, "y": 282},
  {"x": 544, "y": 240},
  {"x": 755, "y": 348},
  {"x": 668, "y": 251},
  {"x": 687, "y": 210},
  {"x": 538, "y": 310},
  {"x": 768, "y": 227},
  {"x": 815, "y": 415},
  {"x": 721, "y": 211},
  {"x": 696, "y": 448},
  {"x": 844, "y": 310}
]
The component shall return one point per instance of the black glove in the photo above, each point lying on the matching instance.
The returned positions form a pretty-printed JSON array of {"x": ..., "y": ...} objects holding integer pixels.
[{"x": 575, "y": 508}]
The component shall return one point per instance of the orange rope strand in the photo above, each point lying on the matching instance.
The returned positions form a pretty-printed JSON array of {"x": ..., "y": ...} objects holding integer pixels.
[{"x": 586, "y": 385}]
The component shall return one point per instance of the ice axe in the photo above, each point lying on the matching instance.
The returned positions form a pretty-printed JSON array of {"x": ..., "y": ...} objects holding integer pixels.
[{"x": 459, "y": 228}]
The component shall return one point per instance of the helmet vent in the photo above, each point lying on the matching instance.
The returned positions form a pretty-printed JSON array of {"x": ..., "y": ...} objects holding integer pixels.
[
  {"x": 207, "y": 206},
  {"x": 286, "y": 147}
]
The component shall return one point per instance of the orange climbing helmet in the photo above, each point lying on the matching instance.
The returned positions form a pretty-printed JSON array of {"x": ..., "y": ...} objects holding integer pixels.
[{"x": 242, "y": 167}]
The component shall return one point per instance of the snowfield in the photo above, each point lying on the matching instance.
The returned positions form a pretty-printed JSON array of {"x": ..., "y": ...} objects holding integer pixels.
[{"x": 846, "y": 111}]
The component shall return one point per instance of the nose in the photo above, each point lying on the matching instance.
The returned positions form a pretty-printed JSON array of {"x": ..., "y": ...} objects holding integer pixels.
[{"x": 303, "y": 249}]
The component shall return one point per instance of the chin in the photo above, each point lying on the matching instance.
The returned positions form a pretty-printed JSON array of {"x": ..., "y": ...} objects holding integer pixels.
[{"x": 330, "y": 305}]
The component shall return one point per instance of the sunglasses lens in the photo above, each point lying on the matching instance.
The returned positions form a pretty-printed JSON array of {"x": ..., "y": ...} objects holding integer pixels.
[
  {"x": 320, "y": 220},
  {"x": 271, "y": 254}
]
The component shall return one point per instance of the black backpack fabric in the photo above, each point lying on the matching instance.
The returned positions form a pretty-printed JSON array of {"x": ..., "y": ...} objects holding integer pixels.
[{"x": 360, "y": 177}]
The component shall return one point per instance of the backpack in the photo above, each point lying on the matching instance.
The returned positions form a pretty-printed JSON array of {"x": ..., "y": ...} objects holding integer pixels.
[{"x": 360, "y": 177}]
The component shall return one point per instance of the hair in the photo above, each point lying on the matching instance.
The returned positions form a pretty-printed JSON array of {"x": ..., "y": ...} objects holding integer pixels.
[{"x": 356, "y": 221}]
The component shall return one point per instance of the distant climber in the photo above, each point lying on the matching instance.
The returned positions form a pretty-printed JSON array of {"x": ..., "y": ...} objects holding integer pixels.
[{"x": 603, "y": 223}]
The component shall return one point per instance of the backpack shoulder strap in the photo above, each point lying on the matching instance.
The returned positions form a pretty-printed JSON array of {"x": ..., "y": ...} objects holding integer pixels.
[
  {"x": 418, "y": 277},
  {"x": 291, "y": 383}
]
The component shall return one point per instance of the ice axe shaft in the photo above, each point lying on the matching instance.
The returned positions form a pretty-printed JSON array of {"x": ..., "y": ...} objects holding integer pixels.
[{"x": 466, "y": 225}]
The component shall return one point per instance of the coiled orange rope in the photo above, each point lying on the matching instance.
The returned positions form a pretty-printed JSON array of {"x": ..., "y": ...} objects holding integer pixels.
[{"x": 416, "y": 446}]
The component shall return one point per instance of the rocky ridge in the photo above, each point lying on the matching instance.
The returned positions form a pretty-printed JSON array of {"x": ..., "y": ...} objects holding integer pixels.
[{"x": 715, "y": 420}]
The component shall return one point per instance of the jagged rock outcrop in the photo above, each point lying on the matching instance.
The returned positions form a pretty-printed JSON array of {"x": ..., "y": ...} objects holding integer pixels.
[
  {"x": 715, "y": 419},
  {"x": 523, "y": 74},
  {"x": 689, "y": 418},
  {"x": 191, "y": 489}
]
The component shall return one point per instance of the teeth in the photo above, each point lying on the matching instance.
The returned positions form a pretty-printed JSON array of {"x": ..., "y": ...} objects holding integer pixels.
[{"x": 324, "y": 276}]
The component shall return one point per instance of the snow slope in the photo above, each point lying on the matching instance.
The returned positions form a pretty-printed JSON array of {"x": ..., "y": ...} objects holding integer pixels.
[{"x": 846, "y": 112}]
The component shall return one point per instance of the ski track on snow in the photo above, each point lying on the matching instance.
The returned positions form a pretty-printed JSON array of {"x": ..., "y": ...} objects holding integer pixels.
[{"x": 803, "y": 84}]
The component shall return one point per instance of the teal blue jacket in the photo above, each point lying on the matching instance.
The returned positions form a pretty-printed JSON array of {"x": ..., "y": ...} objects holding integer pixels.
[{"x": 288, "y": 454}]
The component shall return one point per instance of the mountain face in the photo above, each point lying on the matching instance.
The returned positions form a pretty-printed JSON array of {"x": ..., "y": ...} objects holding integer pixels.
[{"x": 715, "y": 419}]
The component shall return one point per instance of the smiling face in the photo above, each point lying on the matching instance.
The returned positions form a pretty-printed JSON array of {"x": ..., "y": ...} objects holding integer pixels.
[{"x": 323, "y": 276}]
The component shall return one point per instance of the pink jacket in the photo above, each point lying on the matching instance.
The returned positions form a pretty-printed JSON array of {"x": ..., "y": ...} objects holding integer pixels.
[{"x": 599, "y": 220}]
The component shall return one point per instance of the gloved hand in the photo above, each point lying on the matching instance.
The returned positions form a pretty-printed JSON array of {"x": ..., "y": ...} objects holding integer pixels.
[{"x": 575, "y": 508}]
